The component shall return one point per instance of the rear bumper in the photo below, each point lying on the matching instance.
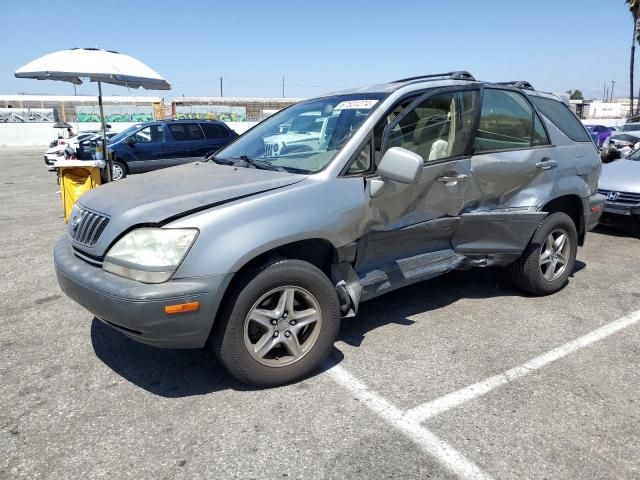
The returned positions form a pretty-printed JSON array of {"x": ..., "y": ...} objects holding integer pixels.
[{"x": 137, "y": 309}]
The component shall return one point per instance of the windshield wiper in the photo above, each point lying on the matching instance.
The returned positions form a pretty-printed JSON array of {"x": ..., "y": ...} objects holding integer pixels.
[{"x": 261, "y": 164}]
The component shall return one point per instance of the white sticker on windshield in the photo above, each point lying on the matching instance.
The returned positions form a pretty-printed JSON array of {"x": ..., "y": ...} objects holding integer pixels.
[{"x": 354, "y": 104}]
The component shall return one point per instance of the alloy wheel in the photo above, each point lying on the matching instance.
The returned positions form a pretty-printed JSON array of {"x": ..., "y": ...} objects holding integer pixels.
[
  {"x": 282, "y": 326},
  {"x": 554, "y": 254},
  {"x": 116, "y": 172}
]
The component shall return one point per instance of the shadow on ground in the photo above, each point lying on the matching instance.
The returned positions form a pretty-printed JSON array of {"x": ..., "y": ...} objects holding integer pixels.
[
  {"x": 166, "y": 372},
  {"x": 181, "y": 373}
]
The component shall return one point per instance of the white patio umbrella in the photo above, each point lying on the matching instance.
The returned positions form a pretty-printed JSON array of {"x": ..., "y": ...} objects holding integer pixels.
[{"x": 102, "y": 66}]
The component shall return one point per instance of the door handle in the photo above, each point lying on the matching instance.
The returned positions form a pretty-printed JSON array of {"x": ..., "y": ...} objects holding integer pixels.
[
  {"x": 547, "y": 164},
  {"x": 452, "y": 178}
]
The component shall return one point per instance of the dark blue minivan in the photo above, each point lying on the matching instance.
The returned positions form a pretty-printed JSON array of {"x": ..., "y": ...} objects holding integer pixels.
[{"x": 153, "y": 145}]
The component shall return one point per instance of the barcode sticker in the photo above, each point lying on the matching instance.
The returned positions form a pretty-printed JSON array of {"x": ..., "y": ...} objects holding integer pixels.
[{"x": 355, "y": 104}]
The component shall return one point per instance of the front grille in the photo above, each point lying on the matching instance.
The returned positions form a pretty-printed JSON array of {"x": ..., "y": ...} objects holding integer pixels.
[
  {"x": 624, "y": 198},
  {"x": 270, "y": 149},
  {"x": 86, "y": 227}
]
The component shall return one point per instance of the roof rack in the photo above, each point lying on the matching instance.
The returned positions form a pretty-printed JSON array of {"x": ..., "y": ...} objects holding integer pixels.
[
  {"x": 459, "y": 75},
  {"x": 519, "y": 84}
]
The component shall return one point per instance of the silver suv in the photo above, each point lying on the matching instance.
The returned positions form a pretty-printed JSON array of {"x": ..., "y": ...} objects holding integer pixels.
[{"x": 258, "y": 253}]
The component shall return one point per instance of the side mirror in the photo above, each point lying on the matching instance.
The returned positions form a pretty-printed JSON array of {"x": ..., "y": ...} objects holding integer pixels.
[
  {"x": 130, "y": 140},
  {"x": 401, "y": 165}
]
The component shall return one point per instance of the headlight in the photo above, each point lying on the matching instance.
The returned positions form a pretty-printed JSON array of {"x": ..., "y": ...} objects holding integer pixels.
[{"x": 149, "y": 255}]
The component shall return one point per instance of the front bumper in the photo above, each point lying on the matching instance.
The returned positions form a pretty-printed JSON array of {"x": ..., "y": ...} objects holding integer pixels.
[
  {"x": 594, "y": 207},
  {"x": 137, "y": 309},
  {"x": 621, "y": 209}
]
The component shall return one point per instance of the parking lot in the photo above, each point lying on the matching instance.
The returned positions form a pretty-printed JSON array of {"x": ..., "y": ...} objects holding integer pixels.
[{"x": 458, "y": 377}]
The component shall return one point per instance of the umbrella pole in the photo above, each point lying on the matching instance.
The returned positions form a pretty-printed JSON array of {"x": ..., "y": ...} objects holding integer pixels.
[{"x": 105, "y": 151}]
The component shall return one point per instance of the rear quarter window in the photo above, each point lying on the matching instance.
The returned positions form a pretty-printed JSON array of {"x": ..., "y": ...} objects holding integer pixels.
[{"x": 562, "y": 117}]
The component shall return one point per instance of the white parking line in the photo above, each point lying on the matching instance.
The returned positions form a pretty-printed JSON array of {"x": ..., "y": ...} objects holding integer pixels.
[
  {"x": 409, "y": 422},
  {"x": 440, "y": 405},
  {"x": 449, "y": 457}
]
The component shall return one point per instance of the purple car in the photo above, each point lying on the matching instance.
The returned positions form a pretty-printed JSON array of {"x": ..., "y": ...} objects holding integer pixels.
[{"x": 599, "y": 133}]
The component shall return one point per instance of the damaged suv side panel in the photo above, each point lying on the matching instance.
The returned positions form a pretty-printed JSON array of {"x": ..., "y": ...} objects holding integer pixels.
[{"x": 270, "y": 241}]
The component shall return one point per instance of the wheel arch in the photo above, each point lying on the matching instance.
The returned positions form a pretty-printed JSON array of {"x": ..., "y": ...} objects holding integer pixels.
[
  {"x": 116, "y": 158},
  {"x": 572, "y": 206},
  {"x": 317, "y": 251}
]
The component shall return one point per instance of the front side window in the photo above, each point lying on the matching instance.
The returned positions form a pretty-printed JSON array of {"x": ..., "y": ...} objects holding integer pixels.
[
  {"x": 506, "y": 122},
  {"x": 152, "y": 133},
  {"x": 439, "y": 127},
  {"x": 305, "y": 137},
  {"x": 362, "y": 161}
]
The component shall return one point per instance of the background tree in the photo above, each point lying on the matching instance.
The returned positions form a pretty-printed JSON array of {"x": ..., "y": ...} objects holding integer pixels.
[
  {"x": 634, "y": 8},
  {"x": 575, "y": 95}
]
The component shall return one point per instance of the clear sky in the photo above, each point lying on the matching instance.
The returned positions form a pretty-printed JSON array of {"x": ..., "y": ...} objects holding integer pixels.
[{"x": 327, "y": 45}]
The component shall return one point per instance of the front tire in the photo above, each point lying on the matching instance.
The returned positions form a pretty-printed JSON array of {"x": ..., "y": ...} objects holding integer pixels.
[
  {"x": 278, "y": 324},
  {"x": 118, "y": 170},
  {"x": 548, "y": 260}
]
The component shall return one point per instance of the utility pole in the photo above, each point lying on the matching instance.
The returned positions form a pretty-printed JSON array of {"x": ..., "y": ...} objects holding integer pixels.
[
  {"x": 606, "y": 93},
  {"x": 283, "y": 86},
  {"x": 613, "y": 84},
  {"x": 221, "y": 95}
]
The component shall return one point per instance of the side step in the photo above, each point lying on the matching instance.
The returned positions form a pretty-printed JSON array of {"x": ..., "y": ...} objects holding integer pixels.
[{"x": 406, "y": 271}]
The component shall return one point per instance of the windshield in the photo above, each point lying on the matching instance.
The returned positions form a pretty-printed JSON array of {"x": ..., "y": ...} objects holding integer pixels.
[
  {"x": 630, "y": 127},
  {"x": 124, "y": 133},
  {"x": 304, "y": 137}
]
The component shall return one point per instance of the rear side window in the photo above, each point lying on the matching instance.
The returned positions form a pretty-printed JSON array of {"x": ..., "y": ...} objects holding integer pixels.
[
  {"x": 185, "y": 131},
  {"x": 214, "y": 131},
  {"x": 562, "y": 118},
  {"x": 539, "y": 133},
  {"x": 506, "y": 122}
]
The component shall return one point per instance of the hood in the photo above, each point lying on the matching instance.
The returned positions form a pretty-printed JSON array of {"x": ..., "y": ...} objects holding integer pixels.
[
  {"x": 621, "y": 176},
  {"x": 163, "y": 195}
]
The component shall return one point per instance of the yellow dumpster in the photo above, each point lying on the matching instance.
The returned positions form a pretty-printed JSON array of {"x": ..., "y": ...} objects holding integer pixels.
[{"x": 76, "y": 178}]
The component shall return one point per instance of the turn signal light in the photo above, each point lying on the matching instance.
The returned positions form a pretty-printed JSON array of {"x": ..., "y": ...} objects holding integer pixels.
[{"x": 182, "y": 307}]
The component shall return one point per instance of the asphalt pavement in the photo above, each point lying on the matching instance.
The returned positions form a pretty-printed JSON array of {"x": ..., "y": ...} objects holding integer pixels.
[{"x": 458, "y": 377}]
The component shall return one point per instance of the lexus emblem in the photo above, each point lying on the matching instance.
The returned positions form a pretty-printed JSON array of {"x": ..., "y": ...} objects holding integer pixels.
[{"x": 613, "y": 196}]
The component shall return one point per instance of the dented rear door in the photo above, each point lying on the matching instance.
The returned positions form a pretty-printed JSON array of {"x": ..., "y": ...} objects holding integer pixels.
[{"x": 513, "y": 169}]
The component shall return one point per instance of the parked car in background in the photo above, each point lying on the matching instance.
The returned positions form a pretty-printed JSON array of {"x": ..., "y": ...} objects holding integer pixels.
[
  {"x": 630, "y": 127},
  {"x": 86, "y": 148},
  {"x": 622, "y": 139},
  {"x": 56, "y": 151},
  {"x": 62, "y": 140},
  {"x": 154, "y": 145},
  {"x": 303, "y": 134},
  {"x": 258, "y": 255},
  {"x": 599, "y": 133},
  {"x": 620, "y": 184}
]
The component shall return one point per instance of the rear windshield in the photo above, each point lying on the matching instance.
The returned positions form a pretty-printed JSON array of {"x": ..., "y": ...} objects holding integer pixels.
[{"x": 562, "y": 117}]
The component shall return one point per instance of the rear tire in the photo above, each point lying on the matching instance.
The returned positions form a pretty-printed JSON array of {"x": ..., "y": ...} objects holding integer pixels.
[
  {"x": 278, "y": 324},
  {"x": 548, "y": 260}
]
